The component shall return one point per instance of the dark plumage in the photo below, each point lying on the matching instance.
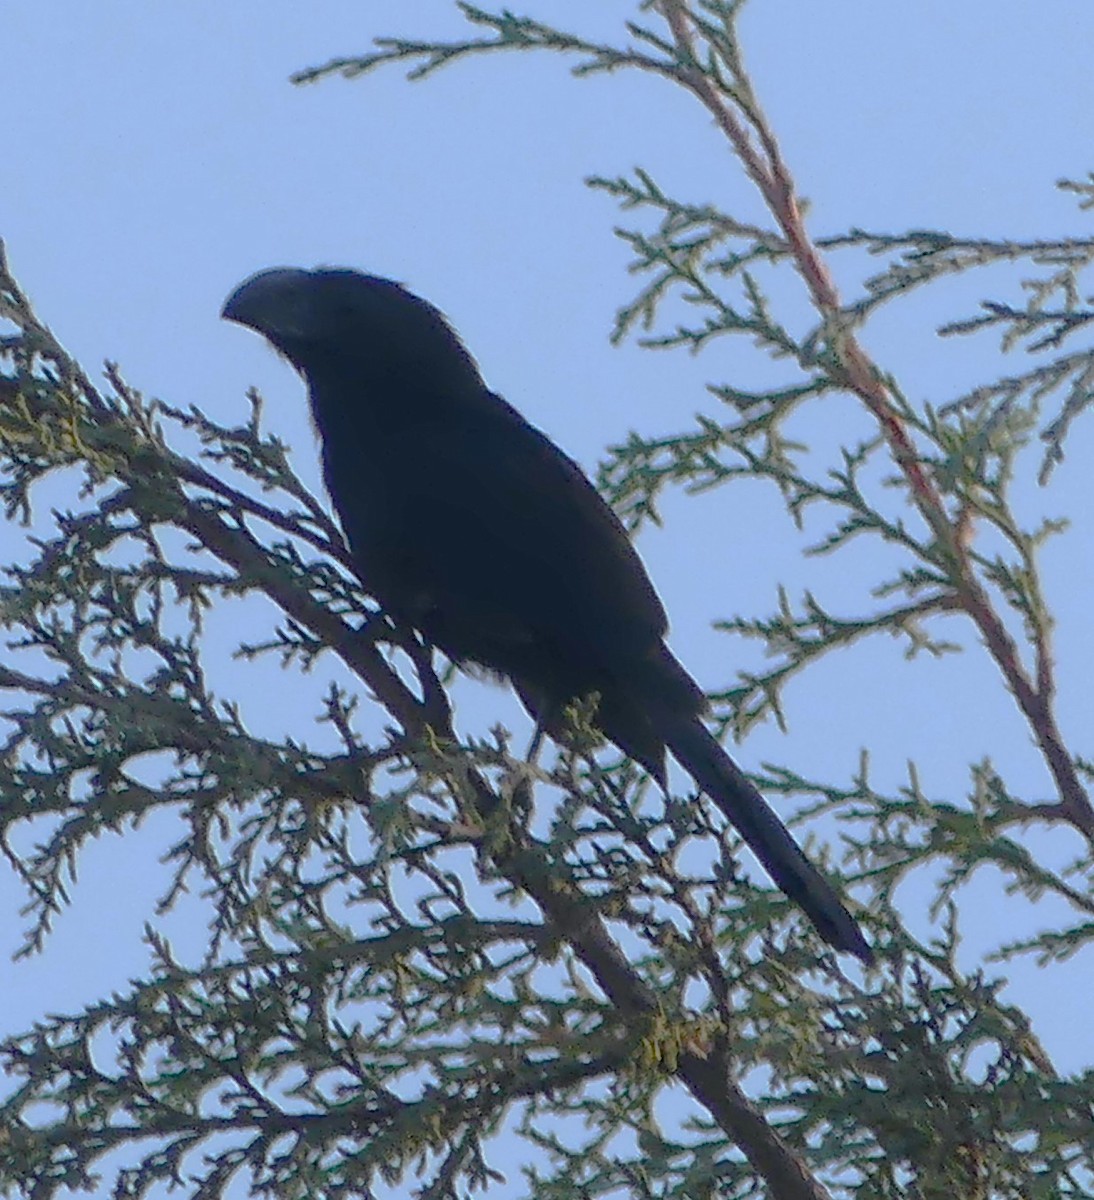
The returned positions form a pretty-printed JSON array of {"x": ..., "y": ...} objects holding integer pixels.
[{"x": 471, "y": 526}]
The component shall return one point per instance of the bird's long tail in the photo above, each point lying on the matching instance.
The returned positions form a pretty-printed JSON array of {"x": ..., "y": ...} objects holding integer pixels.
[{"x": 701, "y": 755}]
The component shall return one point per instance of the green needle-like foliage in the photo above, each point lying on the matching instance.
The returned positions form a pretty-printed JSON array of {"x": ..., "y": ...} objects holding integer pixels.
[{"x": 422, "y": 949}]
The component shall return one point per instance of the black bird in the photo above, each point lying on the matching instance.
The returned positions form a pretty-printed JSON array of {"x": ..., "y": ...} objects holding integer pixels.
[{"x": 472, "y": 527}]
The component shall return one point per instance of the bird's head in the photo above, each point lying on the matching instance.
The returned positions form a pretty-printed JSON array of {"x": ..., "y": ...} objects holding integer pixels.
[{"x": 359, "y": 325}]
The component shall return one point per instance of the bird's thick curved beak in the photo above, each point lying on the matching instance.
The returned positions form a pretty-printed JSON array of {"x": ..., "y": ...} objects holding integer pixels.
[{"x": 273, "y": 302}]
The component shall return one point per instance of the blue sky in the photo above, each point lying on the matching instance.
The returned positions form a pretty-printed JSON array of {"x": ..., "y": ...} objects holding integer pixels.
[{"x": 156, "y": 155}]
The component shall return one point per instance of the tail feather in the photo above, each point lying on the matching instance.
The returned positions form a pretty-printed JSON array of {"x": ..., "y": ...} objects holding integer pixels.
[{"x": 718, "y": 775}]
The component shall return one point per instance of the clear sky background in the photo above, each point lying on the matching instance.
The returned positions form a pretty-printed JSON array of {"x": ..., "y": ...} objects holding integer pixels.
[{"x": 156, "y": 154}]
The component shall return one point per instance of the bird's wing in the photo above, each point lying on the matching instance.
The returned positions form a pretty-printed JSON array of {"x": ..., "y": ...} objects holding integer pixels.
[{"x": 491, "y": 532}]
